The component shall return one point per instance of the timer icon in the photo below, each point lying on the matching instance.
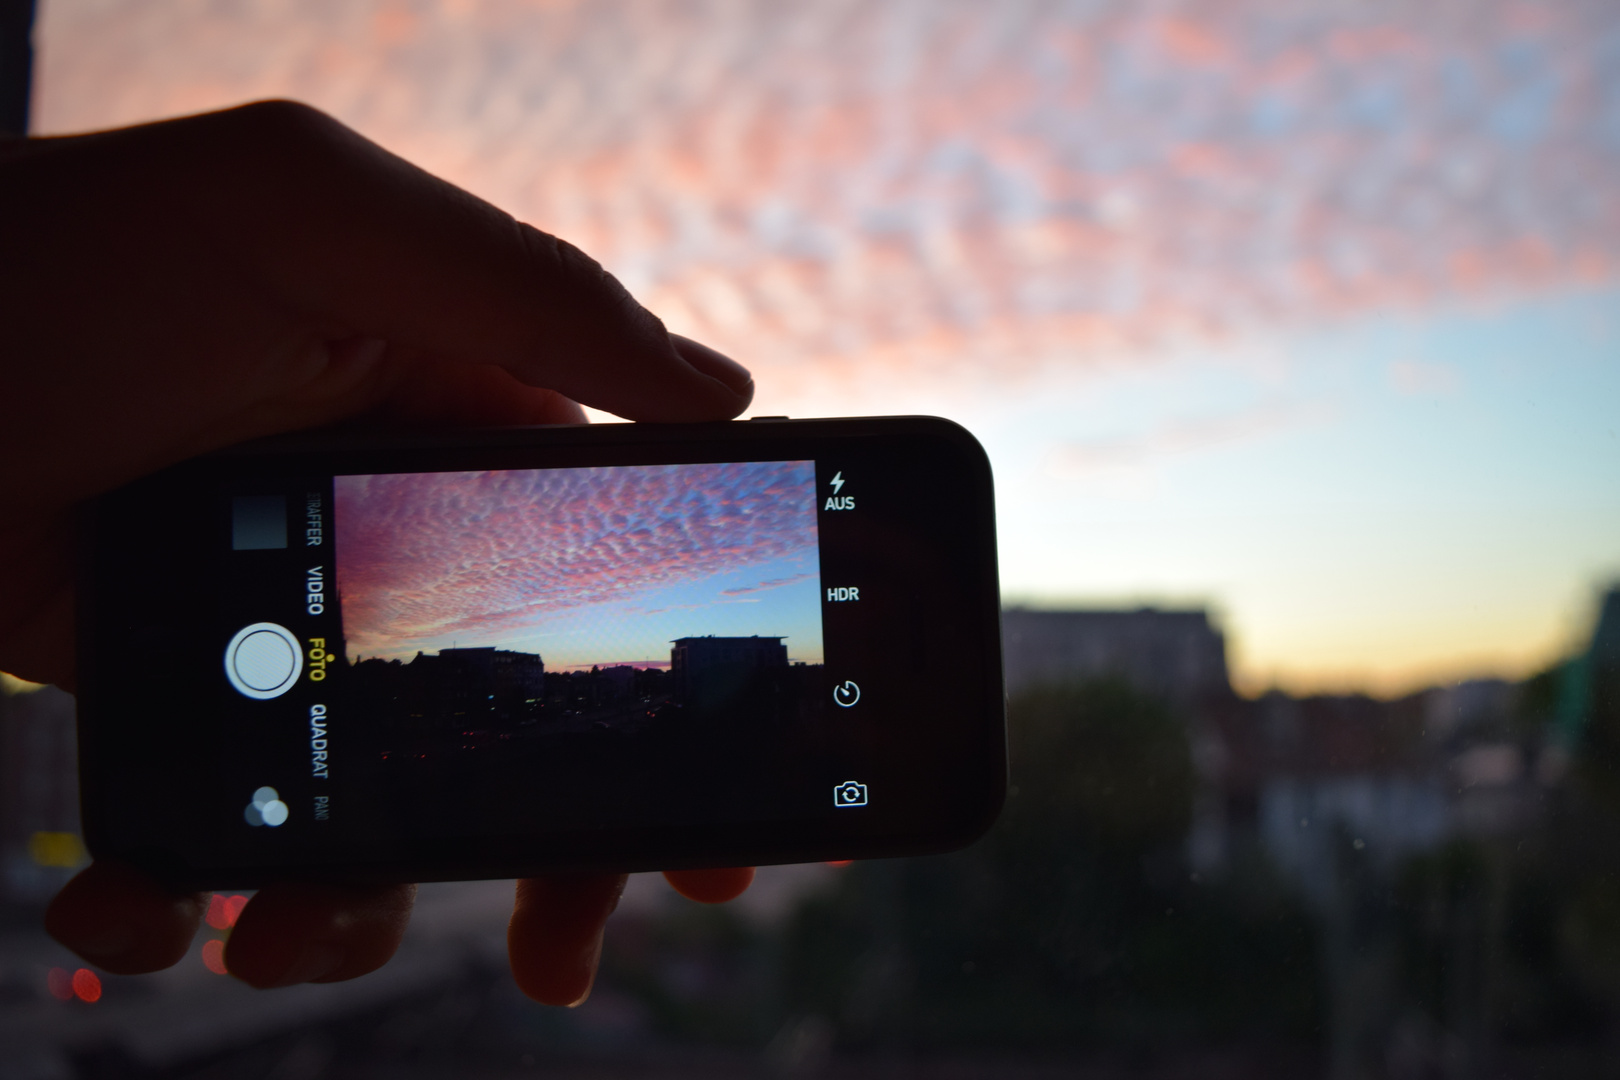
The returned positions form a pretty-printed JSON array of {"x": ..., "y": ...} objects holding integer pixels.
[{"x": 846, "y": 693}]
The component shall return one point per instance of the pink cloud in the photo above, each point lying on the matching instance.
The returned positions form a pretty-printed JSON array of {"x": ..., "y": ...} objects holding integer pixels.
[
  {"x": 773, "y": 583},
  {"x": 948, "y": 189},
  {"x": 424, "y": 555}
]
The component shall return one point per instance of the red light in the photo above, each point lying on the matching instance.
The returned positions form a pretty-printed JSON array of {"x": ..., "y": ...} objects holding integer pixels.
[
  {"x": 841, "y": 862},
  {"x": 86, "y": 985},
  {"x": 213, "y": 954},
  {"x": 60, "y": 984},
  {"x": 216, "y": 913},
  {"x": 223, "y": 911}
]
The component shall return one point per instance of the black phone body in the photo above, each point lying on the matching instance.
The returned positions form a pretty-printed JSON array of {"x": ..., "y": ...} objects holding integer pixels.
[{"x": 498, "y": 653}]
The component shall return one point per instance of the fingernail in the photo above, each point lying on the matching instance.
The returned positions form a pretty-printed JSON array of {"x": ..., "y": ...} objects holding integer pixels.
[
  {"x": 593, "y": 959},
  {"x": 716, "y": 365},
  {"x": 590, "y": 982},
  {"x": 315, "y": 960}
]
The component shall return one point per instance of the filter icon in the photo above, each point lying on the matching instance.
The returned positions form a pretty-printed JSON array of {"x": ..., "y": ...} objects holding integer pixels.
[{"x": 266, "y": 808}]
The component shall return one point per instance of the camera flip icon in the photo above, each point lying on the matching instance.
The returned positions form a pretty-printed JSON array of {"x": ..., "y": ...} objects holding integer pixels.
[{"x": 849, "y": 793}]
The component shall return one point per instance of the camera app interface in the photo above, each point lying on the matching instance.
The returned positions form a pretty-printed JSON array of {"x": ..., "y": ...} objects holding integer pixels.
[{"x": 519, "y": 650}]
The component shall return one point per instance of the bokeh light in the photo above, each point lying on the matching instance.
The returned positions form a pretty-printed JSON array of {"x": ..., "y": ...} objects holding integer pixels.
[
  {"x": 59, "y": 982},
  {"x": 213, "y": 956},
  {"x": 86, "y": 985},
  {"x": 59, "y": 850},
  {"x": 223, "y": 911}
]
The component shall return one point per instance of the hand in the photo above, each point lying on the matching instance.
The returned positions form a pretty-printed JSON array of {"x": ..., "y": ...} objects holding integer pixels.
[
  {"x": 124, "y": 922},
  {"x": 170, "y": 289}
]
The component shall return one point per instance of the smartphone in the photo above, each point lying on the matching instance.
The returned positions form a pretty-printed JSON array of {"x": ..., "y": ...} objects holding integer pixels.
[{"x": 498, "y": 653}]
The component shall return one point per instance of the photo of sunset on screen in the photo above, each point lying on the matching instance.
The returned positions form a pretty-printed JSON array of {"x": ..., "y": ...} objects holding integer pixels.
[
  {"x": 599, "y": 567},
  {"x": 521, "y": 617}
]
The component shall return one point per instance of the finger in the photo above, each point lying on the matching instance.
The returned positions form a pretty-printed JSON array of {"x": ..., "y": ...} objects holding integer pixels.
[
  {"x": 711, "y": 886},
  {"x": 555, "y": 937},
  {"x": 122, "y": 920},
  {"x": 358, "y": 238},
  {"x": 444, "y": 393},
  {"x": 294, "y": 932},
  {"x": 199, "y": 282}
]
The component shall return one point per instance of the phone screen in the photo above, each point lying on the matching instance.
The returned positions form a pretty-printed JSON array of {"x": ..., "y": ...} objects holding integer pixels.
[
  {"x": 508, "y": 650},
  {"x": 403, "y": 655}
]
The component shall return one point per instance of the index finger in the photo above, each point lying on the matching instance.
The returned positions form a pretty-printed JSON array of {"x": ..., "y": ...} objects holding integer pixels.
[
  {"x": 351, "y": 232},
  {"x": 202, "y": 281}
]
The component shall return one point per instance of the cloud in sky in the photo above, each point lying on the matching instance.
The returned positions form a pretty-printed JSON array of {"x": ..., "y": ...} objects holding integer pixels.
[
  {"x": 1185, "y": 436},
  {"x": 774, "y": 583},
  {"x": 952, "y": 190},
  {"x": 489, "y": 557},
  {"x": 1417, "y": 378}
]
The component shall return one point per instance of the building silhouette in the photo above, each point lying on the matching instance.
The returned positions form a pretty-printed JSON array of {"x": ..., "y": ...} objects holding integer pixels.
[
  {"x": 697, "y": 654},
  {"x": 1175, "y": 655},
  {"x": 474, "y": 688},
  {"x": 743, "y": 674},
  {"x": 491, "y": 670}
]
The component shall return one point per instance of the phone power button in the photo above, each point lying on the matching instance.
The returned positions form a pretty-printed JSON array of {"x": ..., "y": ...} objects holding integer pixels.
[
  {"x": 846, "y": 693},
  {"x": 263, "y": 660}
]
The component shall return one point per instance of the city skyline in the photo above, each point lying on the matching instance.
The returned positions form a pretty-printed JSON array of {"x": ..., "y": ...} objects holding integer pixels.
[
  {"x": 576, "y": 565},
  {"x": 572, "y": 669}
]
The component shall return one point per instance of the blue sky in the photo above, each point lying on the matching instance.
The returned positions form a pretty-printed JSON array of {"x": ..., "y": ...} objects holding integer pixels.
[{"x": 1392, "y": 499}]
